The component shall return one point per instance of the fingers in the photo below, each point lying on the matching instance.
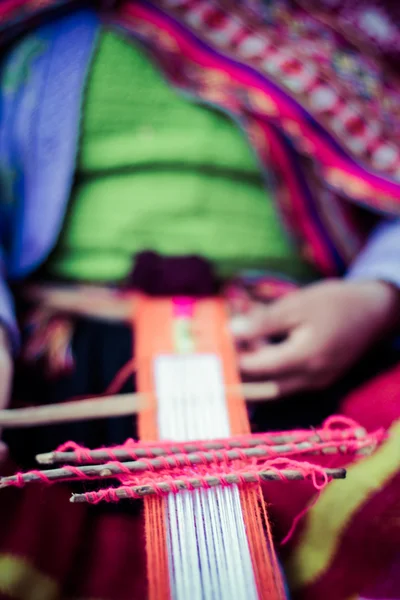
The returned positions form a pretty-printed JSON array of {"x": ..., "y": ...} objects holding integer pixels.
[
  {"x": 276, "y": 389},
  {"x": 275, "y": 360},
  {"x": 292, "y": 385},
  {"x": 261, "y": 321}
]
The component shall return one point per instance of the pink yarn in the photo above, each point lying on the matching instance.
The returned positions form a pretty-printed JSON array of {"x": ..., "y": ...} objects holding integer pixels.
[
  {"x": 183, "y": 307},
  {"x": 82, "y": 453},
  {"x": 338, "y": 431},
  {"x": 316, "y": 473}
]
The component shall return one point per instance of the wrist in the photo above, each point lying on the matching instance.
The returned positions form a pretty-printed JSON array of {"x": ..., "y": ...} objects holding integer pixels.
[{"x": 384, "y": 299}]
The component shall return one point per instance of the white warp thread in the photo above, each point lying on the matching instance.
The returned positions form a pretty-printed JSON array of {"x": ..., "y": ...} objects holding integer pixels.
[{"x": 209, "y": 555}]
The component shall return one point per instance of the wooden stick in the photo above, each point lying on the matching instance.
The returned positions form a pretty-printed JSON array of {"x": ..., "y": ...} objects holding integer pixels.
[
  {"x": 137, "y": 466},
  {"x": 124, "y": 493},
  {"x": 279, "y": 444},
  {"x": 94, "y": 302},
  {"x": 65, "y": 412},
  {"x": 107, "y": 407}
]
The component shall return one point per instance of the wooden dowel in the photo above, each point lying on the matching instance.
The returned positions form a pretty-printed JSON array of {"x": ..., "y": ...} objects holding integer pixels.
[
  {"x": 66, "y": 412},
  {"x": 137, "y": 466},
  {"x": 279, "y": 444},
  {"x": 146, "y": 490},
  {"x": 106, "y": 407}
]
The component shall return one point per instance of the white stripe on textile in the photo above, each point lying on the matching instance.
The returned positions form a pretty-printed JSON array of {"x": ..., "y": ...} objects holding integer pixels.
[{"x": 209, "y": 556}]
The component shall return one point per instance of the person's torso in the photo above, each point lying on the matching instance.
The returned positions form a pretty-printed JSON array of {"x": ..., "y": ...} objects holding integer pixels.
[{"x": 157, "y": 171}]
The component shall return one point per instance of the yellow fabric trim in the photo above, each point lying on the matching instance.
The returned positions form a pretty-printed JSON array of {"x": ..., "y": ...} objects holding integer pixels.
[
  {"x": 21, "y": 580},
  {"x": 327, "y": 520}
]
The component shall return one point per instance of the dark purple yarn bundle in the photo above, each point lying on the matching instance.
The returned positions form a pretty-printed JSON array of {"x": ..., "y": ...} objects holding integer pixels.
[{"x": 157, "y": 275}]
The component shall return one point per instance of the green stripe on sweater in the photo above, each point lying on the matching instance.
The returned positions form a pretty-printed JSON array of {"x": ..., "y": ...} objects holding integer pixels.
[{"x": 158, "y": 172}]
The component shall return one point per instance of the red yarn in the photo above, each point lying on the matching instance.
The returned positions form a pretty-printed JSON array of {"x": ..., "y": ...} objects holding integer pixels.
[
  {"x": 346, "y": 446},
  {"x": 82, "y": 453},
  {"x": 340, "y": 422},
  {"x": 19, "y": 480},
  {"x": 298, "y": 518},
  {"x": 316, "y": 473},
  {"x": 338, "y": 431}
]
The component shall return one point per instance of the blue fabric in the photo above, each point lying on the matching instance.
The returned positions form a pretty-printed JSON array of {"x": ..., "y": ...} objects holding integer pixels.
[
  {"x": 380, "y": 259},
  {"x": 42, "y": 80},
  {"x": 45, "y": 134}
]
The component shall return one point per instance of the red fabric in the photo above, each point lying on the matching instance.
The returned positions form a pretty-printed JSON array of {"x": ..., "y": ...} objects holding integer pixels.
[
  {"x": 377, "y": 403},
  {"x": 369, "y": 545},
  {"x": 89, "y": 554},
  {"x": 103, "y": 555},
  {"x": 367, "y": 560}
]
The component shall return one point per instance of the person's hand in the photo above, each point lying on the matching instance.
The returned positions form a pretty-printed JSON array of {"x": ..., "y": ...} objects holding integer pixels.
[
  {"x": 6, "y": 372},
  {"x": 325, "y": 329}
]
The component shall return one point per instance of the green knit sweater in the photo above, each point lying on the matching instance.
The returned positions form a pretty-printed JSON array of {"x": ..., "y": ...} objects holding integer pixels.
[{"x": 156, "y": 171}]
